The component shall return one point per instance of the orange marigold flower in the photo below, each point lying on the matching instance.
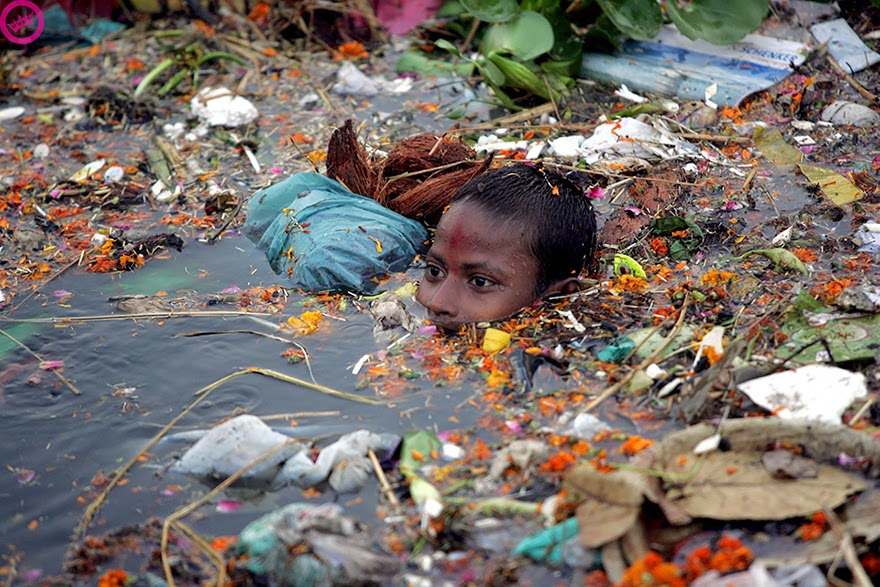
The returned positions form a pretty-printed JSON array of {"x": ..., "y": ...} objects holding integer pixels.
[
  {"x": 113, "y": 578},
  {"x": 805, "y": 255},
  {"x": 729, "y": 542},
  {"x": 715, "y": 278},
  {"x": 559, "y": 463},
  {"x": 659, "y": 246},
  {"x": 222, "y": 543},
  {"x": 629, "y": 283},
  {"x": 635, "y": 444},
  {"x": 481, "y": 451},
  {"x": 350, "y": 50},
  {"x": 828, "y": 291},
  {"x": 581, "y": 448}
]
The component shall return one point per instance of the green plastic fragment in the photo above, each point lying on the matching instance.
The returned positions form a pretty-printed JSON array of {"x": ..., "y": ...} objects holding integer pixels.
[
  {"x": 621, "y": 260},
  {"x": 546, "y": 546},
  {"x": 615, "y": 353}
]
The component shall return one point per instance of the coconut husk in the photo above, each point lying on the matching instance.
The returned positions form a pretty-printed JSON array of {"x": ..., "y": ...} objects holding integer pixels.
[
  {"x": 425, "y": 152},
  {"x": 347, "y": 162},
  {"x": 418, "y": 177},
  {"x": 427, "y": 200}
]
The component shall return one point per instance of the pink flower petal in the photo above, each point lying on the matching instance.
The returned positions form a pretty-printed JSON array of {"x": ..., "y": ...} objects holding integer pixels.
[
  {"x": 49, "y": 365},
  {"x": 228, "y": 506}
]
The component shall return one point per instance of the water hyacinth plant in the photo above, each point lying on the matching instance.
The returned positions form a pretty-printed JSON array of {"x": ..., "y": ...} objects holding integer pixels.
[{"x": 534, "y": 47}]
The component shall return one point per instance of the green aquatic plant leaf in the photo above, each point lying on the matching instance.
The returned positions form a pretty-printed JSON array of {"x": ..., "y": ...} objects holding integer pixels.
[
  {"x": 720, "y": 22},
  {"x": 492, "y": 10},
  {"x": 527, "y": 36},
  {"x": 782, "y": 258},
  {"x": 639, "y": 19}
]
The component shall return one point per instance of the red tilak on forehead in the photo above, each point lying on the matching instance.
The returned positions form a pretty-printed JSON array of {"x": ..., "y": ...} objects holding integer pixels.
[{"x": 456, "y": 237}]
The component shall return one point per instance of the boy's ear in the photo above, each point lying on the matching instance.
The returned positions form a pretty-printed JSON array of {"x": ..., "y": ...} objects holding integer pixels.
[{"x": 563, "y": 287}]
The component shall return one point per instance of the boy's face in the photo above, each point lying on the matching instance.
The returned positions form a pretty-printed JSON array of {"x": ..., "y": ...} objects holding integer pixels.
[{"x": 477, "y": 269}]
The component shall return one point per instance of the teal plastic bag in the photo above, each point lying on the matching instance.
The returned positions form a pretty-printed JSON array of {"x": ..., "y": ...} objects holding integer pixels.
[{"x": 326, "y": 238}]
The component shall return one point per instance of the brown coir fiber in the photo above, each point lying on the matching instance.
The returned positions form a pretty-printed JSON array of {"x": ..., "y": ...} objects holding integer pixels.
[
  {"x": 427, "y": 200},
  {"x": 418, "y": 177},
  {"x": 348, "y": 164}
]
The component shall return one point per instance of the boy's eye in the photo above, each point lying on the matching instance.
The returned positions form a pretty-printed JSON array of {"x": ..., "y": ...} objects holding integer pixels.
[
  {"x": 433, "y": 272},
  {"x": 481, "y": 282}
]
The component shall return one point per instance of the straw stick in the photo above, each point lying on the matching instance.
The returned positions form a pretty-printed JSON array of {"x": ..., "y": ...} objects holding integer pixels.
[
  {"x": 57, "y": 374},
  {"x": 666, "y": 341}
]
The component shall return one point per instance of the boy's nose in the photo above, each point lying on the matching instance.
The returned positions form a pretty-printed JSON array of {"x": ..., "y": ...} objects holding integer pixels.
[{"x": 441, "y": 302}]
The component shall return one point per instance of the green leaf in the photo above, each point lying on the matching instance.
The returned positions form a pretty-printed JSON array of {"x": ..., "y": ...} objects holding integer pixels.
[
  {"x": 526, "y": 37},
  {"x": 415, "y": 445},
  {"x": 493, "y": 75},
  {"x": 721, "y": 22},
  {"x": 680, "y": 249},
  {"x": 447, "y": 46},
  {"x": 422, "y": 491},
  {"x": 451, "y": 9},
  {"x": 492, "y": 10},
  {"x": 640, "y": 19},
  {"x": 517, "y": 75},
  {"x": 416, "y": 61}
]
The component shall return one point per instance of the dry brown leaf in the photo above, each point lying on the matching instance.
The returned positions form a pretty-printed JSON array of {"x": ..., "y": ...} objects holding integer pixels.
[
  {"x": 609, "y": 503},
  {"x": 735, "y": 485}
]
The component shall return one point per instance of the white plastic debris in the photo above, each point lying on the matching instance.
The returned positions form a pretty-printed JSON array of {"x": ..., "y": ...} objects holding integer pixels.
[
  {"x": 174, "y": 131},
  {"x": 571, "y": 321},
  {"x": 114, "y": 174},
  {"x": 755, "y": 576},
  {"x": 654, "y": 371},
  {"x": 2, "y": 296},
  {"x": 452, "y": 452},
  {"x": 162, "y": 193},
  {"x": 98, "y": 239},
  {"x": 41, "y": 151},
  {"x": 491, "y": 143},
  {"x": 781, "y": 239},
  {"x": 803, "y": 125},
  {"x": 625, "y": 93},
  {"x": 220, "y": 107},
  {"x": 712, "y": 340},
  {"x": 344, "y": 462},
  {"x": 708, "y": 444},
  {"x": 868, "y": 237},
  {"x": 88, "y": 170},
  {"x": 566, "y": 146},
  {"x": 630, "y": 137},
  {"x": 535, "y": 150},
  {"x": 844, "y": 45},
  {"x": 812, "y": 392},
  {"x": 710, "y": 93},
  {"x": 228, "y": 447},
  {"x": 11, "y": 113},
  {"x": 586, "y": 426},
  {"x": 849, "y": 114},
  {"x": 351, "y": 81}
]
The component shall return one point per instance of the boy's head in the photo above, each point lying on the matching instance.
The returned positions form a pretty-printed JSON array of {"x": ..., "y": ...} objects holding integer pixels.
[{"x": 510, "y": 236}]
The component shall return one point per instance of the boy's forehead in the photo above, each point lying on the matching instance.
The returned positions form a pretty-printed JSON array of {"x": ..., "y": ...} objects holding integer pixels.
[{"x": 469, "y": 229}]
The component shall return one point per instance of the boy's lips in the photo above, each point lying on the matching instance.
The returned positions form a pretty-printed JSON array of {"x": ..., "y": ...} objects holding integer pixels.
[{"x": 445, "y": 324}]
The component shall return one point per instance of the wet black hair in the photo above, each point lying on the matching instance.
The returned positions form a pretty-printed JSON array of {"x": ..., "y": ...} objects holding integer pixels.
[{"x": 546, "y": 204}]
